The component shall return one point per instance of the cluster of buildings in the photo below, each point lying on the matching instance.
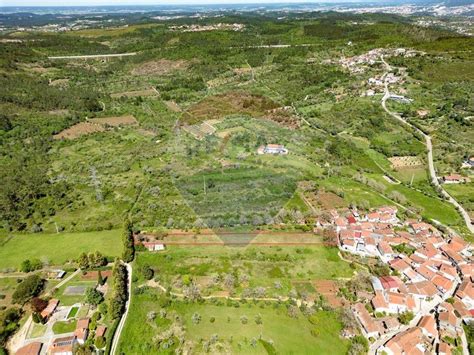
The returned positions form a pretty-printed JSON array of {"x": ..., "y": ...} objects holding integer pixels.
[
  {"x": 357, "y": 64},
  {"x": 431, "y": 277},
  {"x": 63, "y": 345}
]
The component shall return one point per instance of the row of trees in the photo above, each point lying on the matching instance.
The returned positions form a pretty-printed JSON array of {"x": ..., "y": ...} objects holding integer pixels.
[
  {"x": 128, "y": 243},
  {"x": 91, "y": 260},
  {"x": 120, "y": 290}
]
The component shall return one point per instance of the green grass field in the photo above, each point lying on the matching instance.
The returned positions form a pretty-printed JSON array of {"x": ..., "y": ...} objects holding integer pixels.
[
  {"x": 57, "y": 248},
  {"x": 37, "y": 330},
  {"x": 64, "y": 327},
  {"x": 263, "y": 266},
  {"x": 72, "y": 313},
  {"x": 287, "y": 334}
]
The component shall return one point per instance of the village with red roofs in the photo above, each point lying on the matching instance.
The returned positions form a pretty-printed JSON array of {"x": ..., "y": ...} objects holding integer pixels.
[{"x": 419, "y": 308}]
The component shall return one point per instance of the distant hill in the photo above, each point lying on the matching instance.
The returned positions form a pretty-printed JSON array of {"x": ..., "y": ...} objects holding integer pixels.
[{"x": 458, "y": 2}]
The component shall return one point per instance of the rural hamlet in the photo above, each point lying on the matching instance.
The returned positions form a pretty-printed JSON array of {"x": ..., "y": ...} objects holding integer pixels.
[{"x": 237, "y": 177}]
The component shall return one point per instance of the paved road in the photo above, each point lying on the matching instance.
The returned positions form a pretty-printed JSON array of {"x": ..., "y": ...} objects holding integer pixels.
[
  {"x": 93, "y": 56},
  {"x": 429, "y": 147},
  {"x": 118, "y": 332}
]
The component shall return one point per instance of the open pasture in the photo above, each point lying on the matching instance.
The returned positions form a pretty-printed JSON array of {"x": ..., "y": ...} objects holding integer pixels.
[{"x": 57, "y": 248}]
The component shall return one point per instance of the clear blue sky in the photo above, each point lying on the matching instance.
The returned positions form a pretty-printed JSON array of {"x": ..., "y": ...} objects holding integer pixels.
[{"x": 143, "y": 2}]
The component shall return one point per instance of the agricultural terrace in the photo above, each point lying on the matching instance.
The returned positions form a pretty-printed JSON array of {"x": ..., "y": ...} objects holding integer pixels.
[
  {"x": 58, "y": 248},
  {"x": 272, "y": 268}
]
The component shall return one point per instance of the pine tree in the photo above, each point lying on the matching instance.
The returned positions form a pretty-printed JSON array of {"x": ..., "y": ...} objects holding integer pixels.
[
  {"x": 129, "y": 249},
  {"x": 100, "y": 279}
]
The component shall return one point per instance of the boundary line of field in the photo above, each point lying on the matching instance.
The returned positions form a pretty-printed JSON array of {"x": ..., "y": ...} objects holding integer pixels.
[{"x": 248, "y": 243}]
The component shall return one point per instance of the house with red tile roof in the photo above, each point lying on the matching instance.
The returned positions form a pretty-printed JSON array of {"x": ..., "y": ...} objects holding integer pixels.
[
  {"x": 100, "y": 331},
  {"x": 465, "y": 293},
  {"x": 449, "y": 322},
  {"x": 33, "y": 348},
  {"x": 370, "y": 327},
  {"x": 462, "y": 312},
  {"x": 467, "y": 270},
  {"x": 428, "y": 326},
  {"x": 444, "y": 348},
  {"x": 82, "y": 330},
  {"x": 50, "y": 308},
  {"x": 442, "y": 283},
  {"x": 379, "y": 303},
  {"x": 411, "y": 341},
  {"x": 422, "y": 291},
  {"x": 63, "y": 346},
  {"x": 385, "y": 251},
  {"x": 399, "y": 264},
  {"x": 455, "y": 179},
  {"x": 419, "y": 227}
]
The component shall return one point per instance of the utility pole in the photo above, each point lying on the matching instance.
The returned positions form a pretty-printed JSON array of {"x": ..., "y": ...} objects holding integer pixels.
[
  {"x": 411, "y": 181},
  {"x": 204, "y": 184}
]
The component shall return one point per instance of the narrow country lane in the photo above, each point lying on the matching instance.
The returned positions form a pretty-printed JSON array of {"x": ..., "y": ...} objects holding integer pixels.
[{"x": 429, "y": 147}]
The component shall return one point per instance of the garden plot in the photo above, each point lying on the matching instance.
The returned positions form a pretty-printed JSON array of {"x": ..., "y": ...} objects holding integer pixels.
[
  {"x": 78, "y": 290},
  {"x": 329, "y": 289},
  {"x": 326, "y": 200},
  {"x": 199, "y": 131},
  {"x": 405, "y": 162}
]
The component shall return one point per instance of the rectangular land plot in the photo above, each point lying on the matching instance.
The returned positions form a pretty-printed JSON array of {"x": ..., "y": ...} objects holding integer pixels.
[{"x": 57, "y": 248}]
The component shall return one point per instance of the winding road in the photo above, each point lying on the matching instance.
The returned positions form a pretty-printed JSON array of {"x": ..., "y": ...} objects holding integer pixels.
[{"x": 429, "y": 147}]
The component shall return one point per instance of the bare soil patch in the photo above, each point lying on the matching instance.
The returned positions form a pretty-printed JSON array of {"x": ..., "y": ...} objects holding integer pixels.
[
  {"x": 234, "y": 102},
  {"x": 173, "y": 106},
  {"x": 136, "y": 93},
  {"x": 160, "y": 67},
  {"x": 329, "y": 289},
  {"x": 127, "y": 120},
  {"x": 325, "y": 199},
  {"x": 283, "y": 116},
  {"x": 79, "y": 130},
  {"x": 405, "y": 161},
  {"x": 94, "y": 275},
  {"x": 95, "y": 125}
]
